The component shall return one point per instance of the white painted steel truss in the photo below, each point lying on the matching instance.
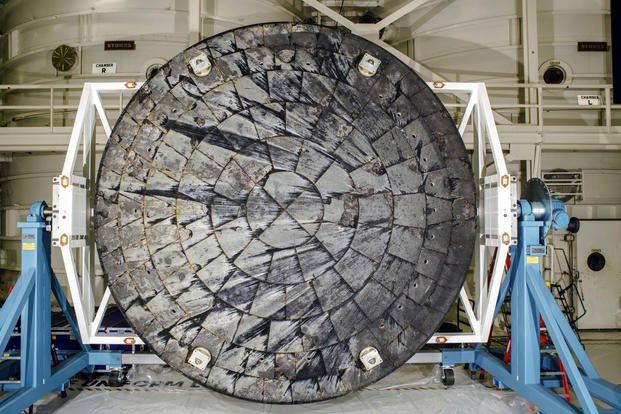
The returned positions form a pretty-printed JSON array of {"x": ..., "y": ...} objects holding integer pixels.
[
  {"x": 72, "y": 215},
  {"x": 497, "y": 218},
  {"x": 73, "y": 234}
]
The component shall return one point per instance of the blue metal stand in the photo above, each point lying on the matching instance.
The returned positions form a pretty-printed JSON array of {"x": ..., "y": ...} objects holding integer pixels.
[
  {"x": 530, "y": 298},
  {"x": 30, "y": 303}
]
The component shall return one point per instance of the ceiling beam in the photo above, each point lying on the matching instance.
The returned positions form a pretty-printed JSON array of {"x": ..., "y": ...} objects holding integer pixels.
[
  {"x": 287, "y": 6},
  {"x": 337, "y": 17},
  {"x": 371, "y": 32},
  {"x": 399, "y": 13},
  {"x": 366, "y": 28}
]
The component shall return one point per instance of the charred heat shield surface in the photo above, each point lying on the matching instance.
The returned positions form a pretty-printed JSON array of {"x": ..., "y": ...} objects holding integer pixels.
[{"x": 282, "y": 212}]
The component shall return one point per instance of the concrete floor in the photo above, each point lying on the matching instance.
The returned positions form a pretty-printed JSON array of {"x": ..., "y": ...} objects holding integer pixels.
[{"x": 604, "y": 349}]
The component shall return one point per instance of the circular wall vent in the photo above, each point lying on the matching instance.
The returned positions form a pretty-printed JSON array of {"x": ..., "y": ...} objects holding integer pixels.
[
  {"x": 64, "y": 58},
  {"x": 152, "y": 66},
  {"x": 596, "y": 261},
  {"x": 555, "y": 72},
  {"x": 152, "y": 70},
  {"x": 554, "y": 75}
]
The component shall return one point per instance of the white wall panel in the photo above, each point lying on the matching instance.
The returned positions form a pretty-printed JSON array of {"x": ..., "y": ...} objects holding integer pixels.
[
  {"x": 160, "y": 28},
  {"x": 471, "y": 36},
  {"x": 602, "y": 289}
]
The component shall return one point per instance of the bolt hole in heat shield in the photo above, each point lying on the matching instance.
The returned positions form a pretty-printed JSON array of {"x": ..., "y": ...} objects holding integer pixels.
[{"x": 280, "y": 224}]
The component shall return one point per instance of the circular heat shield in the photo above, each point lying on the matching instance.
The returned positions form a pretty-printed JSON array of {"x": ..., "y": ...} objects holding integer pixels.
[{"x": 267, "y": 210}]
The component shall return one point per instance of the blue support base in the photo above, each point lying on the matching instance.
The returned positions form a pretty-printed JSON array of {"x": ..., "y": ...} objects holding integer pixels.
[
  {"x": 530, "y": 299},
  {"x": 30, "y": 303}
]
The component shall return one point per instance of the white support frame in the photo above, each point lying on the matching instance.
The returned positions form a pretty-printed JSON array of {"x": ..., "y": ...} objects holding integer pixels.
[
  {"x": 496, "y": 213},
  {"x": 72, "y": 210},
  {"x": 72, "y": 213}
]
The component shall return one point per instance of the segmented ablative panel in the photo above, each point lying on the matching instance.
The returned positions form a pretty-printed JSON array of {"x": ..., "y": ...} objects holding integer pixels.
[{"x": 285, "y": 212}]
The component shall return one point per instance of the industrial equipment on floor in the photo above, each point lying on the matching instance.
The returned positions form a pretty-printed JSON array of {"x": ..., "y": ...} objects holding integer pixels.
[
  {"x": 531, "y": 302},
  {"x": 36, "y": 369}
]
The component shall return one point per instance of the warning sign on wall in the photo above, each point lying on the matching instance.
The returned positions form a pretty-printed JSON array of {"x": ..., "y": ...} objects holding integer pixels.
[{"x": 104, "y": 68}]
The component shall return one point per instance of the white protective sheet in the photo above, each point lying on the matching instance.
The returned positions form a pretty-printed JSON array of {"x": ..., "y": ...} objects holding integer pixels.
[{"x": 410, "y": 389}]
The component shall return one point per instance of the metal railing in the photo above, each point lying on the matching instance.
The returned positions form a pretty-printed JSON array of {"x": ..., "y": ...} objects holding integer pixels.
[
  {"x": 519, "y": 94},
  {"x": 541, "y": 104},
  {"x": 51, "y": 110}
]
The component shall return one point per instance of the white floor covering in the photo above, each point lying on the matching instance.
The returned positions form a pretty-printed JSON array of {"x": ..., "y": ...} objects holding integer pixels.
[
  {"x": 407, "y": 390},
  {"x": 410, "y": 389}
]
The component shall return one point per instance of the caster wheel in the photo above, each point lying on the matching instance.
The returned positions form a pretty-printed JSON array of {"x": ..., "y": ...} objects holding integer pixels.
[
  {"x": 63, "y": 394},
  {"x": 117, "y": 379},
  {"x": 448, "y": 377}
]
